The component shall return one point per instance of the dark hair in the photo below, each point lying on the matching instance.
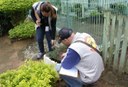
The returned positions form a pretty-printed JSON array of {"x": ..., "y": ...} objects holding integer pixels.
[{"x": 47, "y": 7}]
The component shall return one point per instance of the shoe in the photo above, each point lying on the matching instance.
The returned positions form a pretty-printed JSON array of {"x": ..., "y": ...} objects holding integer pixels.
[{"x": 40, "y": 55}]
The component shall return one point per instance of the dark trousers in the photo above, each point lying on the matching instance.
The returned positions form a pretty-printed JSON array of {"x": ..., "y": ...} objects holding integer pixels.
[
  {"x": 75, "y": 82},
  {"x": 40, "y": 32}
]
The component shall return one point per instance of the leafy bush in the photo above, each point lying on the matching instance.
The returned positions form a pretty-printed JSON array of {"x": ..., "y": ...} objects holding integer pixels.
[
  {"x": 13, "y": 5},
  {"x": 16, "y": 9},
  {"x": 12, "y": 12},
  {"x": 5, "y": 24},
  {"x": 22, "y": 31},
  {"x": 30, "y": 74}
]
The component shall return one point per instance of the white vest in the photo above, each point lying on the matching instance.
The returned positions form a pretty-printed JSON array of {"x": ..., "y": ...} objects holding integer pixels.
[{"x": 91, "y": 65}]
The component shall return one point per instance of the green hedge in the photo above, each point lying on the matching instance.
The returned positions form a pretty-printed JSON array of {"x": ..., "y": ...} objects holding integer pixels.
[
  {"x": 22, "y": 31},
  {"x": 13, "y": 12},
  {"x": 30, "y": 74},
  {"x": 15, "y": 5},
  {"x": 16, "y": 9}
]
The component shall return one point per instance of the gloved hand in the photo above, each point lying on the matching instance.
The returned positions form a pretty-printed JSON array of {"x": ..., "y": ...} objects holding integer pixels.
[{"x": 58, "y": 66}]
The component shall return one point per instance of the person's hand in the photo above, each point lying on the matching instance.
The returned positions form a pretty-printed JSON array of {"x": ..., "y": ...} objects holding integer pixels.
[
  {"x": 53, "y": 42},
  {"x": 62, "y": 55},
  {"x": 38, "y": 22}
]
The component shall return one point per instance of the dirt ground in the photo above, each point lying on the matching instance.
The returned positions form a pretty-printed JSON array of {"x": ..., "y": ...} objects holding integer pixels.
[
  {"x": 11, "y": 57},
  {"x": 11, "y": 53}
]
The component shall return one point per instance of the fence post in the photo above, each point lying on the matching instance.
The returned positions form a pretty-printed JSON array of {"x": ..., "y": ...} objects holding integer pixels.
[
  {"x": 112, "y": 36},
  {"x": 118, "y": 42},
  {"x": 124, "y": 47},
  {"x": 105, "y": 35}
]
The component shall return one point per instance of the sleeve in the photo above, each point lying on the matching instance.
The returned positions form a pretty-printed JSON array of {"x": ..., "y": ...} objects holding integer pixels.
[
  {"x": 71, "y": 59},
  {"x": 53, "y": 25},
  {"x": 35, "y": 8},
  {"x": 32, "y": 13}
]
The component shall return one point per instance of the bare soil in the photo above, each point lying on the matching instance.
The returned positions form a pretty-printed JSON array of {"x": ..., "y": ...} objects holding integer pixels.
[
  {"x": 11, "y": 53},
  {"x": 11, "y": 57}
]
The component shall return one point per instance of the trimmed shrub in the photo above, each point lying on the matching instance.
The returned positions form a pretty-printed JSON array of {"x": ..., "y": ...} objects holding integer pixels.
[
  {"x": 14, "y": 5},
  {"x": 30, "y": 74},
  {"x": 16, "y": 9},
  {"x": 12, "y": 12},
  {"x": 22, "y": 31}
]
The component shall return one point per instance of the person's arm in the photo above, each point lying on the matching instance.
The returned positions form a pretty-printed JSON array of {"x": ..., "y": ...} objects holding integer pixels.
[
  {"x": 71, "y": 59},
  {"x": 32, "y": 13},
  {"x": 53, "y": 31},
  {"x": 36, "y": 9},
  {"x": 38, "y": 20},
  {"x": 53, "y": 26},
  {"x": 53, "y": 23}
]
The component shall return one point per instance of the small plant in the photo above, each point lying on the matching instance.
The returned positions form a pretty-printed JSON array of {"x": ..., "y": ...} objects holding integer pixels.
[{"x": 56, "y": 53}]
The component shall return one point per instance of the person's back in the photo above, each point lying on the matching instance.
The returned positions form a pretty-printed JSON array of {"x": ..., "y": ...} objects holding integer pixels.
[
  {"x": 91, "y": 64},
  {"x": 81, "y": 56}
]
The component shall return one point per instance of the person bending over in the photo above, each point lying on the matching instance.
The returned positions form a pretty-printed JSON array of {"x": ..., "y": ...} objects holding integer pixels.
[
  {"x": 84, "y": 58},
  {"x": 44, "y": 15}
]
